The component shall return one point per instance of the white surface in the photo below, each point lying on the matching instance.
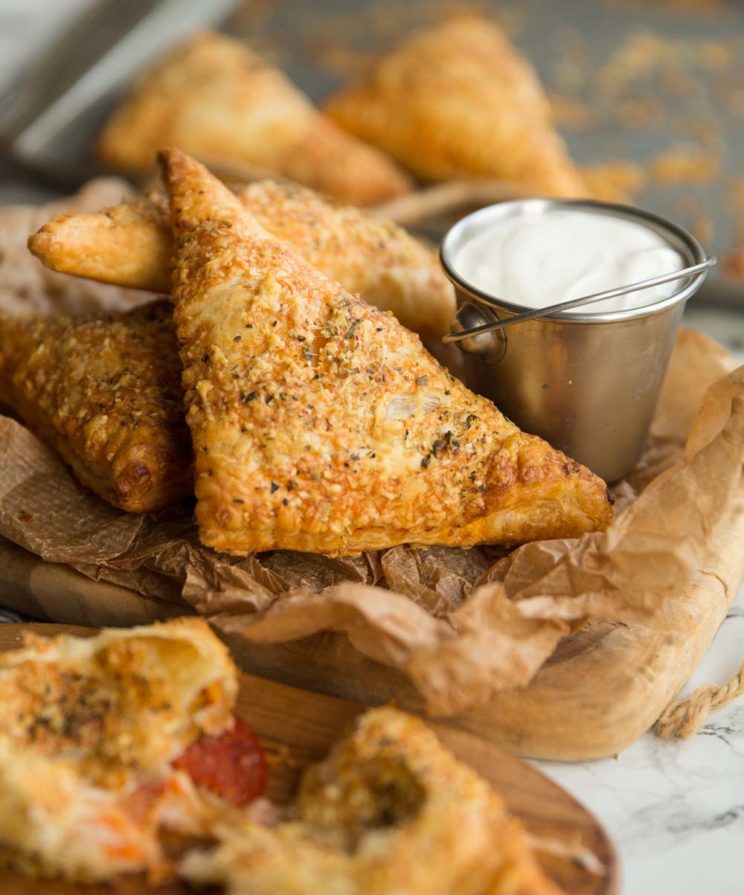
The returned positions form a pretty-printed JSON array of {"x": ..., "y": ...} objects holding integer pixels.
[
  {"x": 543, "y": 258},
  {"x": 674, "y": 809}
]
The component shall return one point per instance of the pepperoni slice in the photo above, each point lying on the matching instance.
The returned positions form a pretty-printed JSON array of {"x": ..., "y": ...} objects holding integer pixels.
[{"x": 231, "y": 765}]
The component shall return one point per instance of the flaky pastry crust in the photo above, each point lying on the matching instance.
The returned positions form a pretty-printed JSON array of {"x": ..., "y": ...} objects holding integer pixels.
[
  {"x": 214, "y": 97},
  {"x": 319, "y": 423},
  {"x": 131, "y": 245},
  {"x": 460, "y": 101},
  {"x": 104, "y": 390},
  {"x": 390, "y": 810},
  {"x": 88, "y": 730}
]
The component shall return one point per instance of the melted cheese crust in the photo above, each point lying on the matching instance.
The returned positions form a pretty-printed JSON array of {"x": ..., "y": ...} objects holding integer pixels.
[
  {"x": 216, "y": 98},
  {"x": 320, "y": 424},
  {"x": 87, "y": 733},
  {"x": 460, "y": 101},
  {"x": 104, "y": 390},
  {"x": 131, "y": 245},
  {"x": 390, "y": 810}
]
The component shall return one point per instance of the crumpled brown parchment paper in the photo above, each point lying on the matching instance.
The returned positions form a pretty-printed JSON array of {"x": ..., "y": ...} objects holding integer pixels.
[{"x": 461, "y": 624}]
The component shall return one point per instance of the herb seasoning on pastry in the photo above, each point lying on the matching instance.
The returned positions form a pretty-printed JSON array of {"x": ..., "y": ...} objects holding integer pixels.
[
  {"x": 214, "y": 97},
  {"x": 319, "y": 423},
  {"x": 104, "y": 390},
  {"x": 106, "y": 742},
  {"x": 390, "y": 810},
  {"x": 456, "y": 102},
  {"x": 131, "y": 245}
]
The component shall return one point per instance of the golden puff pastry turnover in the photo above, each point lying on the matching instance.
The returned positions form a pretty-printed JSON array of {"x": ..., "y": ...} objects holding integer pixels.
[
  {"x": 217, "y": 99},
  {"x": 105, "y": 742},
  {"x": 390, "y": 810},
  {"x": 132, "y": 245},
  {"x": 319, "y": 423},
  {"x": 104, "y": 390},
  {"x": 460, "y": 101}
]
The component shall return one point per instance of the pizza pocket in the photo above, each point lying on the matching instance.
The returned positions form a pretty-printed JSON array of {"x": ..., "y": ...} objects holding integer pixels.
[
  {"x": 390, "y": 810},
  {"x": 105, "y": 391},
  {"x": 319, "y": 423},
  {"x": 132, "y": 245},
  {"x": 217, "y": 99},
  {"x": 106, "y": 742},
  {"x": 459, "y": 101}
]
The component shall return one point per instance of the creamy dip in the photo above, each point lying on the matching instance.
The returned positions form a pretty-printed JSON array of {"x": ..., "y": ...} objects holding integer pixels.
[{"x": 560, "y": 254}]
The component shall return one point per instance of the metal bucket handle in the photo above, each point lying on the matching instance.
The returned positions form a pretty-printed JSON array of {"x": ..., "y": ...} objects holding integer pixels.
[{"x": 471, "y": 324}]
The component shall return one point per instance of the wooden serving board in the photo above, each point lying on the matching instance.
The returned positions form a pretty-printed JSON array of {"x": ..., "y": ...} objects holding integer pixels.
[
  {"x": 300, "y": 726},
  {"x": 605, "y": 686}
]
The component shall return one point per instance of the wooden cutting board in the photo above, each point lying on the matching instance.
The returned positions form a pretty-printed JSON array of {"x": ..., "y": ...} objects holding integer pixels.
[
  {"x": 299, "y": 727},
  {"x": 605, "y": 686}
]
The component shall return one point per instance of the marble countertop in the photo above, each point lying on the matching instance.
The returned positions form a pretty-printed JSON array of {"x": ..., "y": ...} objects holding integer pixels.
[{"x": 675, "y": 809}]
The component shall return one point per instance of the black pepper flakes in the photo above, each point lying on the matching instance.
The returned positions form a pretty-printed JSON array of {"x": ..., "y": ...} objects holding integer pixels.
[
  {"x": 247, "y": 397},
  {"x": 274, "y": 487}
]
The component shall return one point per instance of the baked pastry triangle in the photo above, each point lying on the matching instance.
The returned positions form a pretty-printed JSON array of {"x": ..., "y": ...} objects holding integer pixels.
[
  {"x": 215, "y": 98},
  {"x": 321, "y": 424},
  {"x": 460, "y": 101},
  {"x": 131, "y": 245},
  {"x": 104, "y": 390},
  {"x": 107, "y": 741},
  {"x": 389, "y": 810}
]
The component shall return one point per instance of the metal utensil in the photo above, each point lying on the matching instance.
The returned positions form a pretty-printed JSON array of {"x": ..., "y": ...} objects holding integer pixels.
[
  {"x": 587, "y": 382},
  {"x": 461, "y": 334}
]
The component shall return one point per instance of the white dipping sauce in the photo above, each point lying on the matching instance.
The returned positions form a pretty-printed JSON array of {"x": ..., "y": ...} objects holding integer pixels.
[{"x": 557, "y": 255}]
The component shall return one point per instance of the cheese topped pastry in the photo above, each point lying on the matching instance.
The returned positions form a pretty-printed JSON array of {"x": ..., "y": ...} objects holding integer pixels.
[
  {"x": 460, "y": 101},
  {"x": 214, "y": 97},
  {"x": 104, "y": 390},
  {"x": 390, "y": 810},
  {"x": 132, "y": 245},
  {"x": 106, "y": 741},
  {"x": 319, "y": 423}
]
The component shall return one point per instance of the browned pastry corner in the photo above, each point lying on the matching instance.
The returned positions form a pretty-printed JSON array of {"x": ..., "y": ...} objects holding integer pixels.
[
  {"x": 319, "y": 423},
  {"x": 390, "y": 810},
  {"x": 105, "y": 391},
  {"x": 131, "y": 245},
  {"x": 217, "y": 99},
  {"x": 460, "y": 101}
]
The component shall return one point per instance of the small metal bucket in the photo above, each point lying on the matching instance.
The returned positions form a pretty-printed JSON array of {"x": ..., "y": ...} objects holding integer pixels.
[{"x": 588, "y": 383}]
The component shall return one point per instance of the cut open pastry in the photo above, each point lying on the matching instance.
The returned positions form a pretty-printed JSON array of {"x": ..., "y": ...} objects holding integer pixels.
[
  {"x": 104, "y": 390},
  {"x": 214, "y": 97},
  {"x": 319, "y": 423},
  {"x": 131, "y": 245},
  {"x": 106, "y": 741},
  {"x": 460, "y": 101},
  {"x": 390, "y": 810}
]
